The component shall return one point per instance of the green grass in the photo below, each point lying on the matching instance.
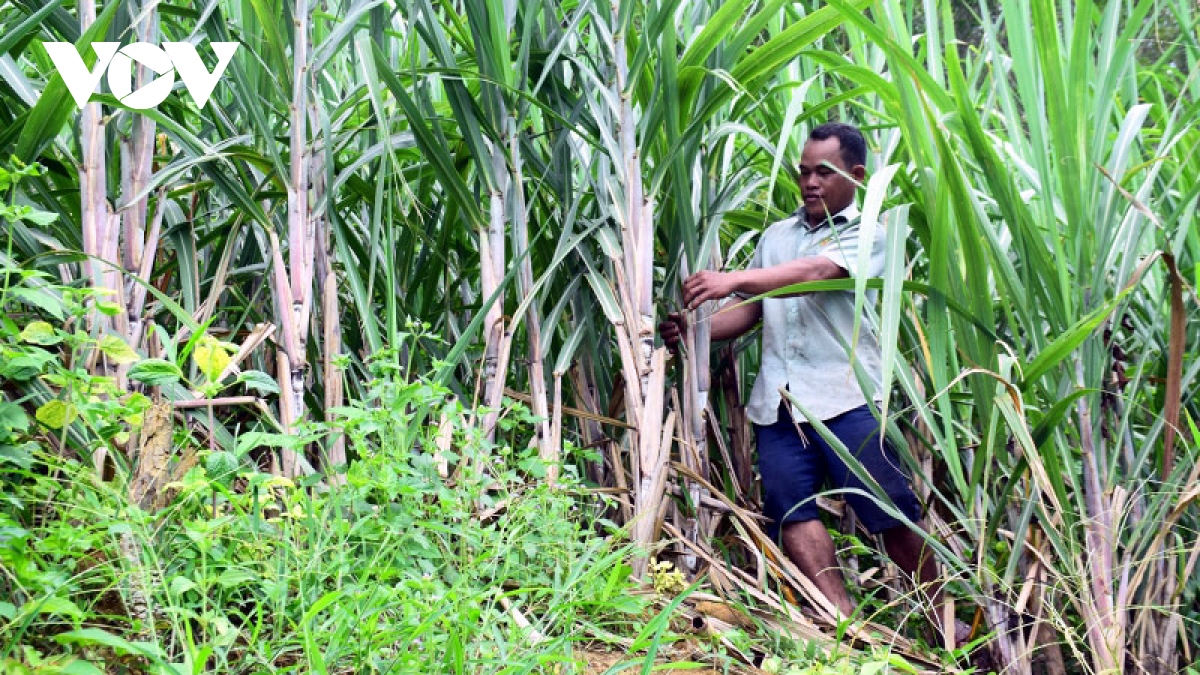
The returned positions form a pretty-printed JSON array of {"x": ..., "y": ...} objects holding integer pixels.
[{"x": 397, "y": 571}]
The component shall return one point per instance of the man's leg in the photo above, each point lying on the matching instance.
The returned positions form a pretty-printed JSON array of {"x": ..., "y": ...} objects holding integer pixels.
[
  {"x": 908, "y": 550},
  {"x": 792, "y": 470},
  {"x": 859, "y": 431},
  {"x": 809, "y": 545},
  {"x": 914, "y": 557}
]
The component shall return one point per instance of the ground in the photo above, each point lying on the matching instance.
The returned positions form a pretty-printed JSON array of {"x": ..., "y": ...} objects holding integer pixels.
[{"x": 599, "y": 662}]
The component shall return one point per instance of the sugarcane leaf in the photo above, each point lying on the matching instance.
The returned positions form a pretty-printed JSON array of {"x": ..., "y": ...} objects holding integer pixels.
[
  {"x": 1043, "y": 431},
  {"x": 894, "y": 269},
  {"x": 55, "y": 106},
  {"x": 1063, "y": 345},
  {"x": 604, "y": 294},
  {"x": 567, "y": 353}
]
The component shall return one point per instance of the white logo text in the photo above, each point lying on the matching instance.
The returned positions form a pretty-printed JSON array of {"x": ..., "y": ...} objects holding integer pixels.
[{"x": 165, "y": 61}]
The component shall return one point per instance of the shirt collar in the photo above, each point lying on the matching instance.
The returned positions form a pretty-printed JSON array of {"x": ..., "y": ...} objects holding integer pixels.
[{"x": 846, "y": 215}]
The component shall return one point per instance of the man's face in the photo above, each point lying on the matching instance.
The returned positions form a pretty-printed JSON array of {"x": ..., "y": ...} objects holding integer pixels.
[{"x": 824, "y": 189}]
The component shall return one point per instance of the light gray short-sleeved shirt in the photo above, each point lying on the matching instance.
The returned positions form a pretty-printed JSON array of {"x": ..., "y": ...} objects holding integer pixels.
[{"x": 805, "y": 338}]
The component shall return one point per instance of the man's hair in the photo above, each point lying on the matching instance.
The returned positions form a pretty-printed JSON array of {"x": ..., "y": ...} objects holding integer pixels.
[{"x": 854, "y": 146}]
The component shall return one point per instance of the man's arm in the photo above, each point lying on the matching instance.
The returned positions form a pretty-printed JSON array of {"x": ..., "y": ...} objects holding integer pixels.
[
  {"x": 703, "y": 286},
  {"x": 734, "y": 318}
]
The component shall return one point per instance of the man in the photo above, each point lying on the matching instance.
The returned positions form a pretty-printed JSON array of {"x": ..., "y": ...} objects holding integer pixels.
[{"x": 804, "y": 352}]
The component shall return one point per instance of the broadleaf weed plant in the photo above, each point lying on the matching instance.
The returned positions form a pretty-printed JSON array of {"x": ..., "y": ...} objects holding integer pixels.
[{"x": 401, "y": 569}]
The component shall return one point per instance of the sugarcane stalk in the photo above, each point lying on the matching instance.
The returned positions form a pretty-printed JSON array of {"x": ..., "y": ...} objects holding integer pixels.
[
  {"x": 92, "y": 174},
  {"x": 331, "y": 334},
  {"x": 653, "y": 457},
  {"x": 334, "y": 394},
  {"x": 593, "y": 433},
  {"x": 1045, "y": 639},
  {"x": 137, "y": 165},
  {"x": 1105, "y": 628},
  {"x": 287, "y": 465},
  {"x": 93, "y": 213},
  {"x": 557, "y": 415},
  {"x": 491, "y": 254},
  {"x": 123, "y": 241},
  {"x": 627, "y": 162},
  {"x": 696, "y": 383},
  {"x": 294, "y": 312},
  {"x": 627, "y": 349},
  {"x": 1176, "y": 338},
  {"x": 285, "y": 461},
  {"x": 638, "y": 224},
  {"x": 741, "y": 446},
  {"x": 642, "y": 364},
  {"x": 137, "y": 295},
  {"x": 548, "y": 450}
]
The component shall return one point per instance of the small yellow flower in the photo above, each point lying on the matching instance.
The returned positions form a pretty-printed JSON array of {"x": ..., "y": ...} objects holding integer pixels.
[
  {"x": 667, "y": 580},
  {"x": 211, "y": 357}
]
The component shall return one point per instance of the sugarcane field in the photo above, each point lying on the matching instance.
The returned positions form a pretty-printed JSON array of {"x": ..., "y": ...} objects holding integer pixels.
[{"x": 588, "y": 337}]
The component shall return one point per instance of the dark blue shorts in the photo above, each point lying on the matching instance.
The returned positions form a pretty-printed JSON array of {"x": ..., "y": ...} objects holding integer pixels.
[{"x": 795, "y": 469}]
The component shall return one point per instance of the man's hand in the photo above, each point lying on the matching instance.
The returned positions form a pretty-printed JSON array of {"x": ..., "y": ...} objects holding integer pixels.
[
  {"x": 730, "y": 321},
  {"x": 703, "y": 286},
  {"x": 671, "y": 330}
]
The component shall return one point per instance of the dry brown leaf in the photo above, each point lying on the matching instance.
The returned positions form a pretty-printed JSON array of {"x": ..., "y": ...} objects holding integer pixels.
[{"x": 154, "y": 456}]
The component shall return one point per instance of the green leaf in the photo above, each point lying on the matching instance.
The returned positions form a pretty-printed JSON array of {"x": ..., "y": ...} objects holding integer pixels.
[
  {"x": 26, "y": 364},
  {"x": 155, "y": 372},
  {"x": 181, "y": 585},
  {"x": 117, "y": 350},
  {"x": 55, "y": 414},
  {"x": 236, "y": 576},
  {"x": 12, "y": 417},
  {"x": 40, "y": 333},
  {"x": 262, "y": 439},
  {"x": 78, "y": 667},
  {"x": 221, "y": 464},
  {"x": 41, "y": 218},
  {"x": 108, "y": 308},
  {"x": 54, "y": 605},
  {"x": 606, "y": 296},
  {"x": 258, "y": 381},
  {"x": 7, "y": 610},
  {"x": 1065, "y": 344},
  {"x": 97, "y": 636},
  {"x": 31, "y": 24},
  {"x": 20, "y": 455},
  {"x": 36, "y": 297},
  {"x": 320, "y": 605}
]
